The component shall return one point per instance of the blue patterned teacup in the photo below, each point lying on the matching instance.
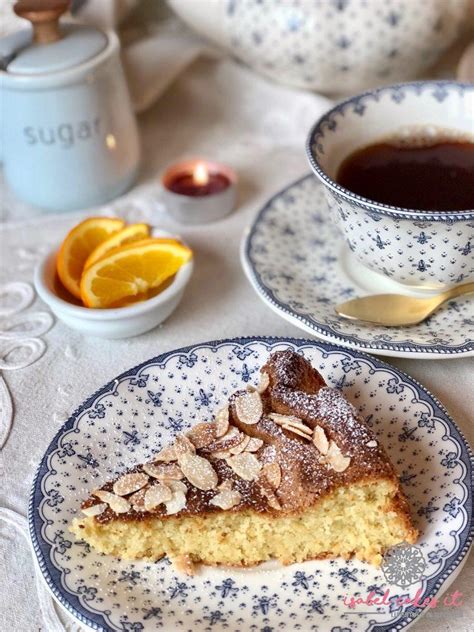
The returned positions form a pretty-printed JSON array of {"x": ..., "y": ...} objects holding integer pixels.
[{"x": 417, "y": 248}]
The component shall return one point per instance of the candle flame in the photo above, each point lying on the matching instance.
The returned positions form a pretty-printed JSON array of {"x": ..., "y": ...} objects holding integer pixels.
[
  {"x": 201, "y": 174},
  {"x": 111, "y": 141}
]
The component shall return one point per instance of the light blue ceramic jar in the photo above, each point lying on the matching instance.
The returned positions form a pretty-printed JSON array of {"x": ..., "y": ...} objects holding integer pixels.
[{"x": 68, "y": 132}]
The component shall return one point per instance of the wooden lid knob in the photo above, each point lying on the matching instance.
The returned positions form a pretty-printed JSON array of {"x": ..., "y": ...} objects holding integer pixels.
[{"x": 44, "y": 16}]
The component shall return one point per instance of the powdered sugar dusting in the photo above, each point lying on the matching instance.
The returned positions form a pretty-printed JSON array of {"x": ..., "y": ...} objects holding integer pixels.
[{"x": 296, "y": 392}]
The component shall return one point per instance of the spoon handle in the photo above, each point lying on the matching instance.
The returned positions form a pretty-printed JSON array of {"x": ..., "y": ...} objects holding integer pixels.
[{"x": 465, "y": 288}]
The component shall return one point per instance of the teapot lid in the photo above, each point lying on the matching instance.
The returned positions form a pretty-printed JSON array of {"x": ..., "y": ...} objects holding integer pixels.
[{"x": 49, "y": 46}]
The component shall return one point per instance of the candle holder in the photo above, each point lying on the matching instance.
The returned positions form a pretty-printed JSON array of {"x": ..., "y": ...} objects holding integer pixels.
[{"x": 198, "y": 191}]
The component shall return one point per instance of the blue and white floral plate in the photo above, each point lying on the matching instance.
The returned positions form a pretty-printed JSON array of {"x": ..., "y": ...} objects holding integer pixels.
[
  {"x": 130, "y": 418},
  {"x": 299, "y": 264}
]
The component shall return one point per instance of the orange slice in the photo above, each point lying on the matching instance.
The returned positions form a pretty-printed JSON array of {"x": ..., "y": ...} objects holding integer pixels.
[
  {"x": 144, "y": 242},
  {"x": 132, "y": 270},
  {"x": 126, "y": 236},
  {"x": 78, "y": 245}
]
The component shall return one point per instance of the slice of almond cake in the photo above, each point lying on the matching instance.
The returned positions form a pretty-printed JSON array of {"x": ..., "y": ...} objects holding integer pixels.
[{"x": 286, "y": 471}]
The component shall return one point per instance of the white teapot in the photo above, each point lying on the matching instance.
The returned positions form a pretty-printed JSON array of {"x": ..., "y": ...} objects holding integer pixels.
[
  {"x": 68, "y": 132},
  {"x": 333, "y": 46}
]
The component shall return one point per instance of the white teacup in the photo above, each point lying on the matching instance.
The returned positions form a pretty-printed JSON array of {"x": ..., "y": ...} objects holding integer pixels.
[{"x": 418, "y": 248}]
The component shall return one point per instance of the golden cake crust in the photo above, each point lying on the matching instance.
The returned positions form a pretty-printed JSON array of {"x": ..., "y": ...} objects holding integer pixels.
[{"x": 328, "y": 446}]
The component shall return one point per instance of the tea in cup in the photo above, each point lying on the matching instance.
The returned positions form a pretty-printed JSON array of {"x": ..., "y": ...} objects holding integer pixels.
[{"x": 397, "y": 164}]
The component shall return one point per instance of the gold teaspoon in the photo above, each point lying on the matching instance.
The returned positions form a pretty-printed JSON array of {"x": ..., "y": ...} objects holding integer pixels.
[{"x": 395, "y": 310}]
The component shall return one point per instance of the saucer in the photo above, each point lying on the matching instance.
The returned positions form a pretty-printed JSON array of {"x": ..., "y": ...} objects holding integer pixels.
[{"x": 299, "y": 264}]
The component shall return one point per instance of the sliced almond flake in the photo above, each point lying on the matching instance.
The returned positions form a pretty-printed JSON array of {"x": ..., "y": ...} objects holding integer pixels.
[
  {"x": 245, "y": 465},
  {"x": 248, "y": 407},
  {"x": 129, "y": 483},
  {"x": 291, "y": 420},
  {"x": 285, "y": 419},
  {"x": 167, "y": 454},
  {"x": 94, "y": 510},
  {"x": 340, "y": 463},
  {"x": 163, "y": 471},
  {"x": 250, "y": 388},
  {"x": 202, "y": 435},
  {"x": 333, "y": 450},
  {"x": 184, "y": 564},
  {"x": 225, "y": 485},
  {"x": 231, "y": 438},
  {"x": 301, "y": 427},
  {"x": 242, "y": 445},
  {"x": 297, "y": 431},
  {"x": 273, "y": 501},
  {"x": 371, "y": 444},
  {"x": 103, "y": 495},
  {"x": 221, "y": 454},
  {"x": 233, "y": 434},
  {"x": 176, "y": 504},
  {"x": 177, "y": 487},
  {"x": 198, "y": 471},
  {"x": 272, "y": 472},
  {"x": 335, "y": 459},
  {"x": 267, "y": 491},
  {"x": 264, "y": 383},
  {"x": 157, "y": 494},
  {"x": 254, "y": 444},
  {"x": 226, "y": 499},
  {"x": 222, "y": 421},
  {"x": 183, "y": 445},
  {"x": 120, "y": 506},
  {"x": 137, "y": 500},
  {"x": 116, "y": 503},
  {"x": 320, "y": 440}
]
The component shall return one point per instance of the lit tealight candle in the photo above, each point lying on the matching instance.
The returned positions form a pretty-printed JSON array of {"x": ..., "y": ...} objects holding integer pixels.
[{"x": 196, "y": 191}]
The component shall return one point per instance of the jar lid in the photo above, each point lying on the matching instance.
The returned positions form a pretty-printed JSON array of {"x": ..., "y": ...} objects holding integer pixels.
[
  {"x": 49, "y": 46},
  {"x": 77, "y": 45}
]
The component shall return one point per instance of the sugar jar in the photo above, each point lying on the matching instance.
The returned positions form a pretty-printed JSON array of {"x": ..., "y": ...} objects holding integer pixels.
[{"x": 68, "y": 132}]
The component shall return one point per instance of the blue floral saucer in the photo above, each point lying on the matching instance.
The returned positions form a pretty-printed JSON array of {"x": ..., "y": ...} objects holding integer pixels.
[
  {"x": 299, "y": 264},
  {"x": 131, "y": 417}
]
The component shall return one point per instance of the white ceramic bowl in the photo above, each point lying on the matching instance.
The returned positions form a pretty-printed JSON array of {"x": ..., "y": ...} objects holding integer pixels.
[
  {"x": 424, "y": 249},
  {"x": 122, "y": 322}
]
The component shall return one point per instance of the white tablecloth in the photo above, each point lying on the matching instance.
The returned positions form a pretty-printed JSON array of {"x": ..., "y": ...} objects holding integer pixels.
[{"x": 220, "y": 110}]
